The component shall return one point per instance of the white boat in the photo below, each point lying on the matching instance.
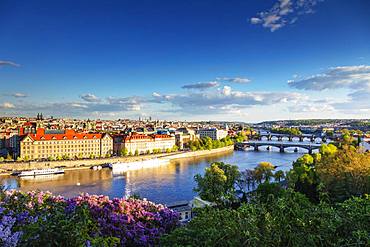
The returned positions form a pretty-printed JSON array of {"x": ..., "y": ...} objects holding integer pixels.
[
  {"x": 136, "y": 165},
  {"x": 39, "y": 172}
]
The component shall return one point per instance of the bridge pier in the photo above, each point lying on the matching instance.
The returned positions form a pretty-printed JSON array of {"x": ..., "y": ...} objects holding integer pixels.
[
  {"x": 281, "y": 149},
  {"x": 301, "y": 138},
  {"x": 290, "y": 138},
  {"x": 309, "y": 150},
  {"x": 255, "y": 147},
  {"x": 269, "y": 137},
  {"x": 280, "y": 138},
  {"x": 312, "y": 139}
]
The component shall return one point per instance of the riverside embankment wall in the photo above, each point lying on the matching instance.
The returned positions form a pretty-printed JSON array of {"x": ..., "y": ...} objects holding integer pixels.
[{"x": 18, "y": 166}]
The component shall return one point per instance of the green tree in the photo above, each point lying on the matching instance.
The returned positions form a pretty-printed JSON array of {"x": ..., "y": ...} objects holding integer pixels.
[
  {"x": 218, "y": 183},
  {"x": 124, "y": 152},
  {"x": 303, "y": 178},
  {"x": 9, "y": 157},
  {"x": 287, "y": 219},
  {"x": 345, "y": 173},
  {"x": 264, "y": 171},
  {"x": 66, "y": 157},
  {"x": 279, "y": 175},
  {"x": 136, "y": 152},
  {"x": 175, "y": 148},
  {"x": 328, "y": 149}
]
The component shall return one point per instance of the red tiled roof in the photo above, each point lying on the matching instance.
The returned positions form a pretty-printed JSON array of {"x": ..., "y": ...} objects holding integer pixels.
[{"x": 68, "y": 135}]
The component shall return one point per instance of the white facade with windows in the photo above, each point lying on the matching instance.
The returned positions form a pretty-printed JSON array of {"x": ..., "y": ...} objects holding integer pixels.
[{"x": 213, "y": 133}]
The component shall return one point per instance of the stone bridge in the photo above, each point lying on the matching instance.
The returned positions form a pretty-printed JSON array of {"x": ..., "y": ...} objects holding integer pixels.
[
  {"x": 301, "y": 137},
  {"x": 279, "y": 144}
]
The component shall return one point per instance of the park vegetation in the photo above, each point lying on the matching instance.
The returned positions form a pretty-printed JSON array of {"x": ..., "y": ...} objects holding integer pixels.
[
  {"x": 206, "y": 143},
  {"x": 124, "y": 151},
  {"x": 322, "y": 201},
  {"x": 287, "y": 131}
]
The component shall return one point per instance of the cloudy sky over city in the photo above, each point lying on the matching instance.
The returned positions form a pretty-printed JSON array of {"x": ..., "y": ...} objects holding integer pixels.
[{"x": 190, "y": 60}]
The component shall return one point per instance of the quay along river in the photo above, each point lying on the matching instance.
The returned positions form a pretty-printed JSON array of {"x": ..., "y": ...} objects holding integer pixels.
[{"x": 164, "y": 184}]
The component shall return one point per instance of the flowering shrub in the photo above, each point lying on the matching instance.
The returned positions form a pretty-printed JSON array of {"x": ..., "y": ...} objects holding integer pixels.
[{"x": 42, "y": 219}]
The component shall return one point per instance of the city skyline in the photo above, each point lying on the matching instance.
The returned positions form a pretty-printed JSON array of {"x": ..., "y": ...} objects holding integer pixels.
[{"x": 206, "y": 60}]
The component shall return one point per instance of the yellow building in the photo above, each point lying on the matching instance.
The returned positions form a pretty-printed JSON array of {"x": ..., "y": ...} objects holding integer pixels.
[
  {"x": 68, "y": 144},
  {"x": 143, "y": 143}
]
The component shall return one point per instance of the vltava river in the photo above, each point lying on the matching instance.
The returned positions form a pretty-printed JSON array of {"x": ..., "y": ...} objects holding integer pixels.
[{"x": 165, "y": 184}]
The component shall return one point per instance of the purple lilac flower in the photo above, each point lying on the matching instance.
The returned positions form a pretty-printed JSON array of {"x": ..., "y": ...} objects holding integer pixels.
[{"x": 7, "y": 237}]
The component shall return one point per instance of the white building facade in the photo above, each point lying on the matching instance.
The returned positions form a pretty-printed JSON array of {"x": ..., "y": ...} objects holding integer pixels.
[{"x": 213, "y": 133}]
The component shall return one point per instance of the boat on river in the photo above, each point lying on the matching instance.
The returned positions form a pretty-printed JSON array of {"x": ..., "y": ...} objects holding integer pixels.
[
  {"x": 136, "y": 165},
  {"x": 40, "y": 172}
]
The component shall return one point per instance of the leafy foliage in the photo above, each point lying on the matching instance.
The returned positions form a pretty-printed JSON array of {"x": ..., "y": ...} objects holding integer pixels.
[
  {"x": 338, "y": 173},
  {"x": 289, "y": 219},
  {"x": 218, "y": 183},
  {"x": 289, "y": 131},
  {"x": 207, "y": 143}
]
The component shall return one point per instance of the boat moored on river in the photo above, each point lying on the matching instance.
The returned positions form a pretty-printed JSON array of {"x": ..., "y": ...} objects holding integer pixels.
[
  {"x": 39, "y": 172},
  {"x": 136, "y": 165}
]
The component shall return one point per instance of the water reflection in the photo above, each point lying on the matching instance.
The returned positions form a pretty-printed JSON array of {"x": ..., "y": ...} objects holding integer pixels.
[{"x": 164, "y": 184}]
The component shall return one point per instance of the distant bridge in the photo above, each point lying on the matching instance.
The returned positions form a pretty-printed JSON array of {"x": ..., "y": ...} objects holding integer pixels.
[
  {"x": 279, "y": 144},
  {"x": 301, "y": 137}
]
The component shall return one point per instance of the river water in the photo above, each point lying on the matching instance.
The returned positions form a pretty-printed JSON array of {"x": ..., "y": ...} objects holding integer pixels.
[{"x": 165, "y": 184}]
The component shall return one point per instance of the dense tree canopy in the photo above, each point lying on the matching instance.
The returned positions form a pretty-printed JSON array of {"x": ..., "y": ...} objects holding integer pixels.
[
  {"x": 286, "y": 220},
  {"x": 289, "y": 131},
  {"x": 340, "y": 173}
]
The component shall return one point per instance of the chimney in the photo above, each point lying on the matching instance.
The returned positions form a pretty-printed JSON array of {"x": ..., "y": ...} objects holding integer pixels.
[{"x": 21, "y": 131}]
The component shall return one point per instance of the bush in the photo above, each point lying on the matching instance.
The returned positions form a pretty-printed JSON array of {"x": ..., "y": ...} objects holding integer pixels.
[
  {"x": 288, "y": 220},
  {"x": 41, "y": 219}
]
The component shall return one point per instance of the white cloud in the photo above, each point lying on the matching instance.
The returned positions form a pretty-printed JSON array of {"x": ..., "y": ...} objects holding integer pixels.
[
  {"x": 255, "y": 20},
  {"x": 19, "y": 95},
  {"x": 8, "y": 63},
  {"x": 217, "y": 100},
  {"x": 353, "y": 77},
  {"x": 7, "y": 105},
  {"x": 239, "y": 80},
  {"x": 201, "y": 85},
  {"x": 310, "y": 108},
  {"x": 90, "y": 97},
  {"x": 283, "y": 12},
  {"x": 355, "y": 80}
]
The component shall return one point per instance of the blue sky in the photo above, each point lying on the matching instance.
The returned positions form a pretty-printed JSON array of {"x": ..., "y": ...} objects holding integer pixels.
[{"x": 191, "y": 60}]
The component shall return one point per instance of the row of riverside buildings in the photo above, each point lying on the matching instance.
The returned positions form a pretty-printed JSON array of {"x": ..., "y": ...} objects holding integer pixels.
[
  {"x": 43, "y": 144},
  {"x": 36, "y": 143}
]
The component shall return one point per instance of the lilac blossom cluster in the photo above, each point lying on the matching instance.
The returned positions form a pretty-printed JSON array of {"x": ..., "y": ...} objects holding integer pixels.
[{"x": 132, "y": 222}]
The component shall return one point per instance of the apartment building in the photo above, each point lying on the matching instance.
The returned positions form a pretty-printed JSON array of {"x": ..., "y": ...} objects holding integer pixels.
[
  {"x": 63, "y": 143},
  {"x": 213, "y": 133},
  {"x": 143, "y": 143},
  {"x": 184, "y": 136}
]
